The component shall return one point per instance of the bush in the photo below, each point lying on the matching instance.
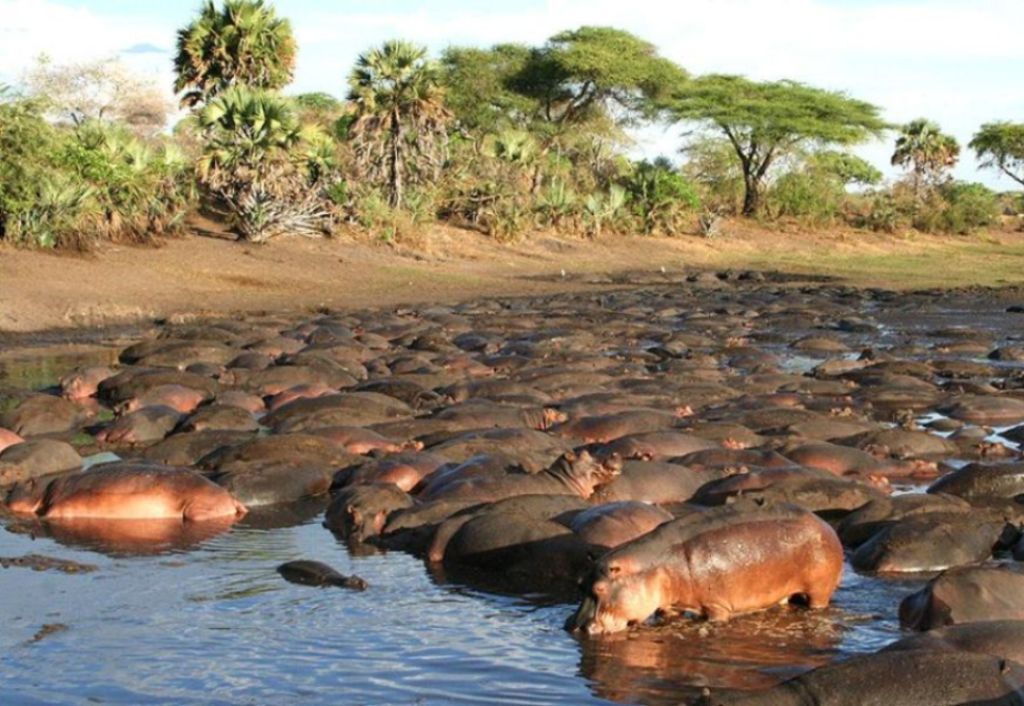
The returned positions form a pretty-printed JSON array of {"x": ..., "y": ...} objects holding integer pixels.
[
  {"x": 66, "y": 188},
  {"x": 806, "y": 195},
  {"x": 266, "y": 169},
  {"x": 969, "y": 206},
  {"x": 660, "y": 197}
]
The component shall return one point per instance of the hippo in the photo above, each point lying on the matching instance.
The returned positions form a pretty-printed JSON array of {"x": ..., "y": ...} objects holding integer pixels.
[
  {"x": 134, "y": 382},
  {"x": 405, "y": 470},
  {"x": 142, "y": 426},
  {"x": 654, "y": 482},
  {"x": 84, "y": 382},
  {"x": 276, "y": 469},
  {"x": 909, "y": 678},
  {"x": 243, "y": 400},
  {"x": 571, "y": 474},
  {"x": 298, "y": 392},
  {"x": 530, "y": 449},
  {"x": 998, "y": 638},
  {"x": 658, "y": 445},
  {"x": 35, "y": 458},
  {"x": 359, "y": 440},
  {"x": 964, "y": 595},
  {"x": 359, "y": 512},
  {"x": 979, "y": 481},
  {"x": 219, "y": 417},
  {"x": 848, "y": 461},
  {"x": 985, "y": 409},
  {"x": 866, "y": 521},
  {"x": 605, "y": 428},
  {"x": 517, "y": 530},
  {"x": 133, "y": 491},
  {"x": 315, "y": 573},
  {"x": 718, "y": 563},
  {"x": 809, "y": 488},
  {"x": 185, "y": 449},
  {"x": 43, "y": 414},
  {"x": 611, "y": 524},
  {"x": 931, "y": 542},
  {"x": 181, "y": 399},
  {"x": 348, "y": 408}
]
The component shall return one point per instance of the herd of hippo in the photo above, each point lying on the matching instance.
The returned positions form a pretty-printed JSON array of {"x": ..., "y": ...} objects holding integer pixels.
[{"x": 697, "y": 451}]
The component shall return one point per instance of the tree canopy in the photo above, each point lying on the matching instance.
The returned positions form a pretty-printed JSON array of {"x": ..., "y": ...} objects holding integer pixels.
[
  {"x": 401, "y": 120},
  {"x": 1000, "y": 145},
  {"x": 765, "y": 120},
  {"x": 923, "y": 148},
  {"x": 103, "y": 89},
  {"x": 243, "y": 42},
  {"x": 587, "y": 75}
]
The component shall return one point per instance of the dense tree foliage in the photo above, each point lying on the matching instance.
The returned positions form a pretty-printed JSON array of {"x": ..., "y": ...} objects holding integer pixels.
[
  {"x": 243, "y": 42},
  {"x": 401, "y": 122},
  {"x": 926, "y": 151},
  {"x": 506, "y": 140},
  {"x": 763, "y": 121},
  {"x": 1000, "y": 145}
]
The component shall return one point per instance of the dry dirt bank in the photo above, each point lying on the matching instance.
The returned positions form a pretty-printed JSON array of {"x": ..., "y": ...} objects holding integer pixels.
[{"x": 200, "y": 276}]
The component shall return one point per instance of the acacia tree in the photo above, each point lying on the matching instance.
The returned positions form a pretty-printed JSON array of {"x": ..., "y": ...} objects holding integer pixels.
[
  {"x": 595, "y": 75},
  {"x": 1000, "y": 145},
  {"x": 400, "y": 127},
  {"x": 97, "y": 90},
  {"x": 765, "y": 121},
  {"x": 923, "y": 148},
  {"x": 242, "y": 42}
]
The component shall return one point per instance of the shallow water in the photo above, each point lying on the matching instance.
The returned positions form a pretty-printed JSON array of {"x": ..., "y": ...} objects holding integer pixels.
[
  {"x": 209, "y": 621},
  {"x": 216, "y": 624}
]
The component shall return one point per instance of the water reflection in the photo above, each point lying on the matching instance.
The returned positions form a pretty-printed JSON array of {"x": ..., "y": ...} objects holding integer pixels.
[
  {"x": 655, "y": 665},
  {"x": 129, "y": 537}
]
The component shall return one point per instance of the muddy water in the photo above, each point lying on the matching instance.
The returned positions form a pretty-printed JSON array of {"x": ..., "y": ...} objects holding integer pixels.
[{"x": 208, "y": 620}]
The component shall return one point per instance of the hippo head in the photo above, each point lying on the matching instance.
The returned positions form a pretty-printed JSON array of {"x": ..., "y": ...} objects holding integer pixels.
[
  {"x": 362, "y": 523},
  {"x": 615, "y": 596},
  {"x": 583, "y": 473},
  {"x": 26, "y": 498},
  {"x": 552, "y": 416}
]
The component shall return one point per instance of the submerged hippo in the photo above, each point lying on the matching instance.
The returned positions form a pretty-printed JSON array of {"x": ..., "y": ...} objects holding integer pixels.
[
  {"x": 132, "y": 491},
  {"x": 718, "y": 563},
  {"x": 315, "y": 573}
]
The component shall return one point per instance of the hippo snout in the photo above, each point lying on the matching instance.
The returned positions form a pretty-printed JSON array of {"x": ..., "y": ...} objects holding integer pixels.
[{"x": 583, "y": 618}]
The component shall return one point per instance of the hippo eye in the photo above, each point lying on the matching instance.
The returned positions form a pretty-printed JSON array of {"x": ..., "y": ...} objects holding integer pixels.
[{"x": 614, "y": 570}]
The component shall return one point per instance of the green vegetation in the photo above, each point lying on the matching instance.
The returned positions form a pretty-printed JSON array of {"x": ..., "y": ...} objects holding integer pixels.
[
  {"x": 506, "y": 140},
  {"x": 243, "y": 42},
  {"x": 766, "y": 121},
  {"x": 1000, "y": 146}
]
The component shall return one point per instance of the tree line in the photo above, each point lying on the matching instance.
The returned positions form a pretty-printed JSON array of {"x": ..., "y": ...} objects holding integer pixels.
[{"x": 506, "y": 139}]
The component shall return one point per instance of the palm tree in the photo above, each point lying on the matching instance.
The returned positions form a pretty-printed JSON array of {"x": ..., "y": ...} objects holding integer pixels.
[
  {"x": 256, "y": 162},
  {"x": 400, "y": 128},
  {"x": 926, "y": 151},
  {"x": 243, "y": 42}
]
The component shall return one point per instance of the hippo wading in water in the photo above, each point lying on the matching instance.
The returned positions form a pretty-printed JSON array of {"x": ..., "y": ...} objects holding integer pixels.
[
  {"x": 128, "y": 491},
  {"x": 716, "y": 564}
]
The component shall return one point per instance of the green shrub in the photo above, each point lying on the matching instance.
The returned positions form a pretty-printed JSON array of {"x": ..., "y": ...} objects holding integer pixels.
[
  {"x": 807, "y": 195},
  {"x": 969, "y": 206},
  {"x": 660, "y": 197}
]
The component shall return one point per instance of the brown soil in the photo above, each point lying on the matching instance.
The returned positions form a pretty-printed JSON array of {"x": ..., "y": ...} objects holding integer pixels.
[{"x": 200, "y": 275}]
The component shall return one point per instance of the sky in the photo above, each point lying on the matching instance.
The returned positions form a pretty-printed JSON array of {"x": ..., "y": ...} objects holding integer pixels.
[{"x": 958, "y": 62}]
